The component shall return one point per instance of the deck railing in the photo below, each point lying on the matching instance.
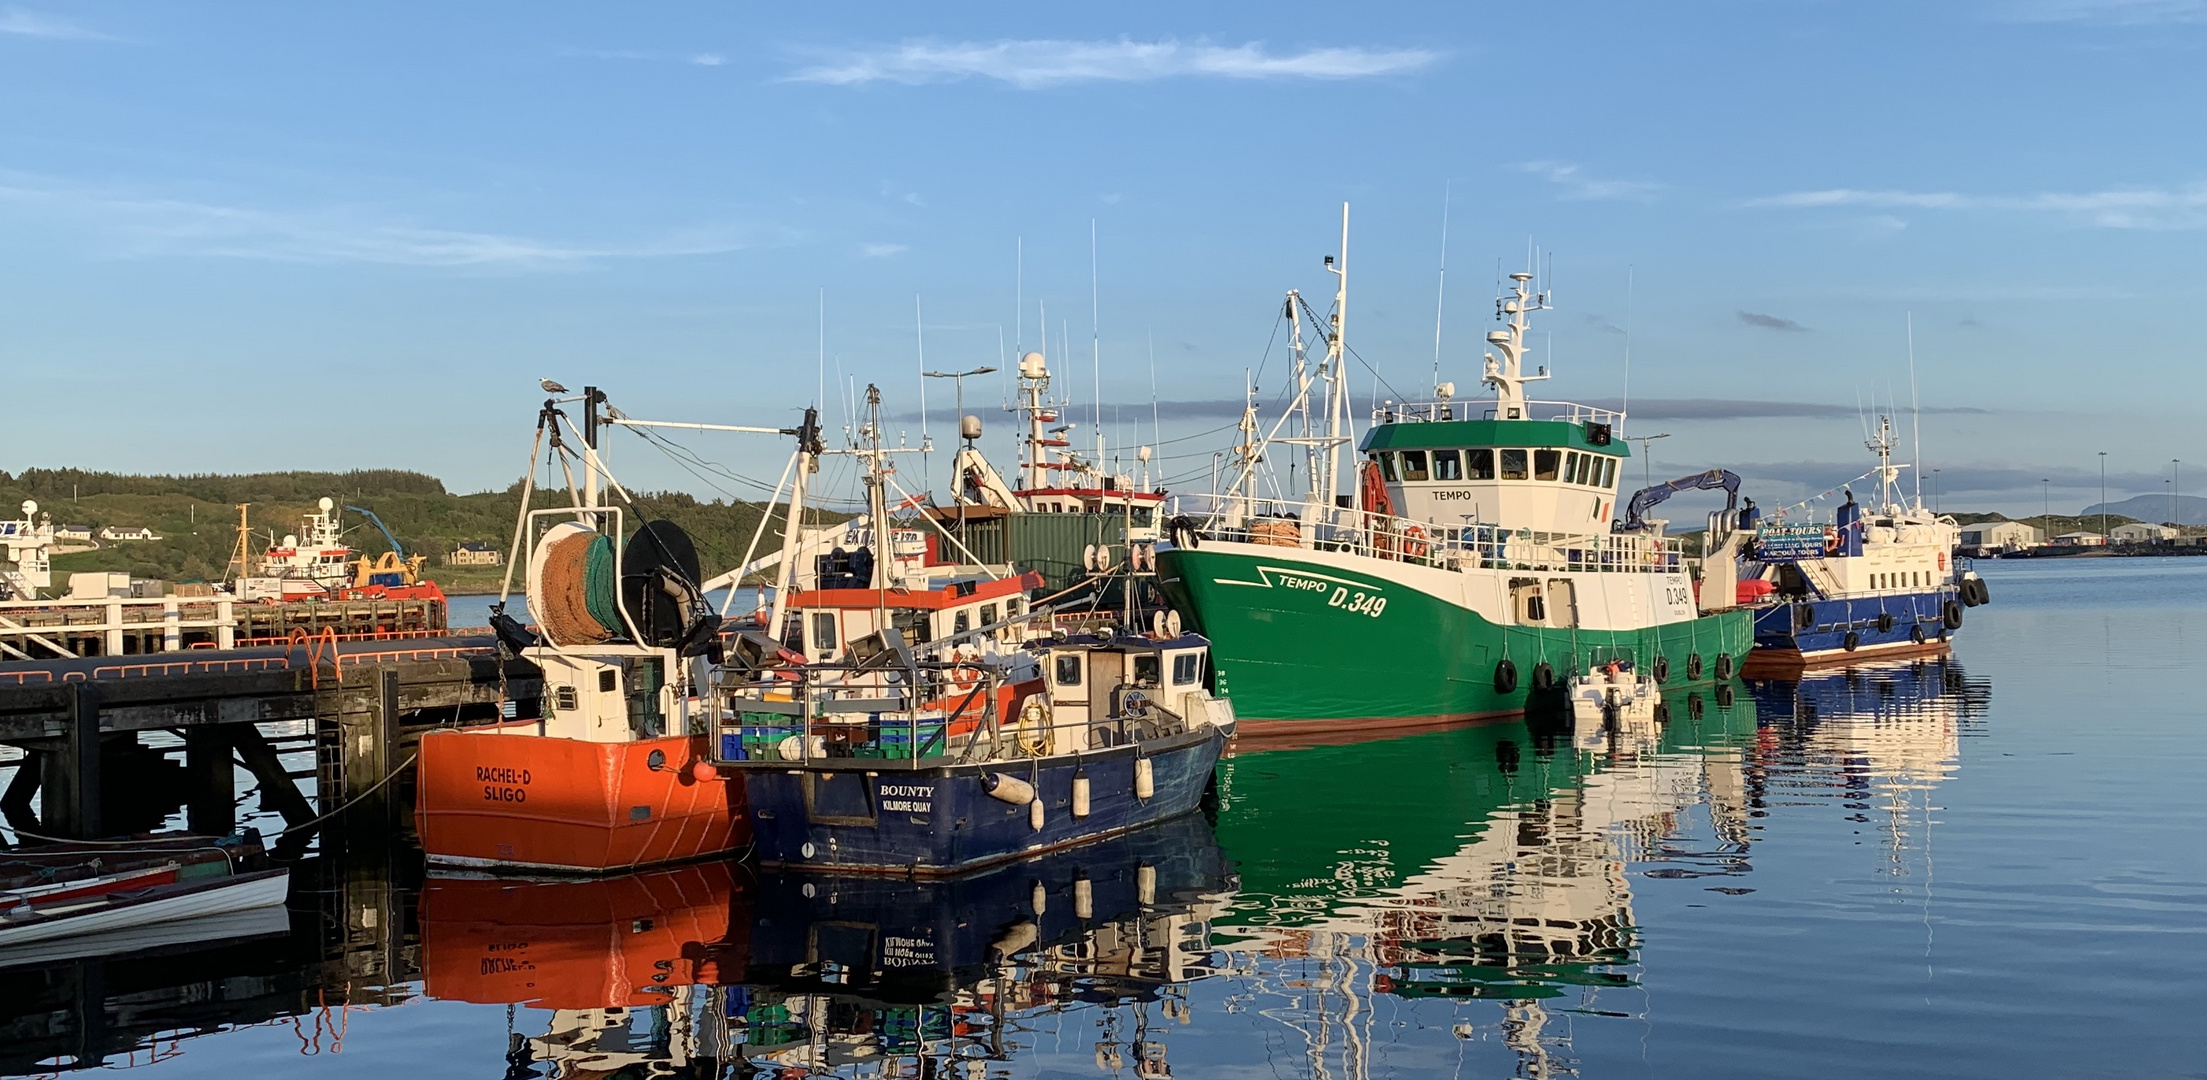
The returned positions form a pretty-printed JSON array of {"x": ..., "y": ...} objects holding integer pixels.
[
  {"x": 926, "y": 715},
  {"x": 1428, "y": 412},
  {"x": 1309, "y": 526}
]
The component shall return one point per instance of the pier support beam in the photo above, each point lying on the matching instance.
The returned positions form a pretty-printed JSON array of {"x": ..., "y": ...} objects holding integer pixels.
[
  {"x": 368, "y": 741},
  {"x": 211, "y": 776},
  {"x": 69, "y": 790},
  {"x": 277, "y": 791}
]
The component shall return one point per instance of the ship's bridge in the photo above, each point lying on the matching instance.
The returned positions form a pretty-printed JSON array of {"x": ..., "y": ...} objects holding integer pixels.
[{"x": 1442, "y": 466}]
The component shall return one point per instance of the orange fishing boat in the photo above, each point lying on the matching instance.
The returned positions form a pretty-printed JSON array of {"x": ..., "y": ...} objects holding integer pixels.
[{"x": 611, "y": 775}]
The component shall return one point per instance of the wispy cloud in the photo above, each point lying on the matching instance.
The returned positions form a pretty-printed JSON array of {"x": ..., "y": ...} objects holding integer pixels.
[
  {"x": 708, "y": 59},
  {"x": 2114, "y": 12},
  {"x": 1047, "y": 62},
  {"x": 1771, "y": 322},
  {"x": 703, "y": 59},
  {"x": 1577, "y": 185},
  {"x": 2115, "y": 208},
  {"x": 136, "y": 227},
  {"x": 26, "y": 23},
  {"x": 881, "y": 251},
  {"x": 1748, "y": 409}
]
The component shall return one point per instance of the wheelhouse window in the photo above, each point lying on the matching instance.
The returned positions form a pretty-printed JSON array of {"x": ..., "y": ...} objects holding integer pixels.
[
  {"x": 1545, "y": 464},
  {"x": 1386, "y": 465},
  {"x": 1482, "y": 464},
  {"x": 988, "y": 614},
  {"x": 963, "y": 622},
  {"x": 1413, "y": 465},
  {"x": 1513, "y": 465},
  {"x": 1187, "y": 668},
  {"x": 1571, "y": 467},
  {"x": 1448, "y": 465},
  {"x": 1068, "y": 669},
  {"x": 1145, "y": 670},
  {"x": 823, "y": 632}
]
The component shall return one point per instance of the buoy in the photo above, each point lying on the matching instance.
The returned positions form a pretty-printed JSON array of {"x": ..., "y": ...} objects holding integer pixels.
[
  {"x": 1084, "y": 898},
  {"x": 1080, "y": 794},
  {"x": 1145, "y": 783},
  {"x": 1039, "y": 898},
  {"x": 1034, "y": 814},
  {"x": 1009, "y": 789},
  {"x": 704, "y": 773},
  {"x": 1145, "y": 884}
]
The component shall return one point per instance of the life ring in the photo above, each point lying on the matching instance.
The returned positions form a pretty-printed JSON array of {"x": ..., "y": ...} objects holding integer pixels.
[
  {"x": 1950, "y": 615},
  {"x": 1853, "y": 641},
  {"x": 1505, "y": 677},
  {"x": 1544, "y": 677},
  {"x": 1724, "y": 666},
  {"x": 1693, "y": 667},
  {"x": 1831, "y": 541},
  {"x": 1414, "y": 545},
  {"x": 1884, "y": 622},
  {"x": 1033, "y": 731},
  {"x": 1804, "y": 615},
  {"x": 1661, "y": 670}
]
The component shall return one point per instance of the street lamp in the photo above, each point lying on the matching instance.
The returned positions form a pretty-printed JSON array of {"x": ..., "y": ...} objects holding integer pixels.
[
  {"x": 2046, "y": 507},
  {"x": 966, "y": 433},
  {"x": 1647, "y": 461},
  {"x": 1934, "y": 491},
  {"x": 2175, "y": 481},
  {"x": 2103, "y": 497}
]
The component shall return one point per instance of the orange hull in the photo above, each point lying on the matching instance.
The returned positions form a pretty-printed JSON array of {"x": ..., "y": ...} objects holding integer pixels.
[
  {"x": 534, "y": 803},
  {"x": 598, "y": 944}
]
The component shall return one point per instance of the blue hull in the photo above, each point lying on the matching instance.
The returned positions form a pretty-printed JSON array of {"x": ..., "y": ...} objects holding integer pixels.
[
  {"x": 856, "y": 816},
  {"x": 1889, "y": 621},
  {"x": 898, "y": 940}
]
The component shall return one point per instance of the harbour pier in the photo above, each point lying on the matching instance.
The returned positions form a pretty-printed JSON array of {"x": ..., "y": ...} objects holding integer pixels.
[{"x": 111, "y": 744}]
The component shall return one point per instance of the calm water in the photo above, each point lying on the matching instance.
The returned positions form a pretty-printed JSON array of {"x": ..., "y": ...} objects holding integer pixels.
[{"x": 1985, "y": 867}]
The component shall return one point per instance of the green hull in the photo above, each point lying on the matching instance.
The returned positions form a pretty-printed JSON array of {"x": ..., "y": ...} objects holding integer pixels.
[{"x": 1303, "y": 654}]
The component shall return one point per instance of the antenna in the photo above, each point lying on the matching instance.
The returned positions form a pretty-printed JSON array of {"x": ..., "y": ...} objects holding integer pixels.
[
  {"x": 1019, "y": 293},
  {"x": 1915, "y": 407},
  {"x": 919, "y": 330},
  {"x": 1625, "y": 409},
  {"x": 1155, "y": 435},
  {"x": 822, "y": 399},
  {"x": 1095, "y": 338},
  {"x": 1440, "y": 298}
]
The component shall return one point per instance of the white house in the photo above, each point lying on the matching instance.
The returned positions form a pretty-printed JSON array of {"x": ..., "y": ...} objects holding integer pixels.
[
  {"x": 2081, "y": 539},
  {"x": 2141, "y": 532},
  {"x": 2006, "y": 535},
  {"x": 127, "y": 532}
]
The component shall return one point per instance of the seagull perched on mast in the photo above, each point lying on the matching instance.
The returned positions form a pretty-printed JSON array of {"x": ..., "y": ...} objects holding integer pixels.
[{"x": 551, "y": 387}]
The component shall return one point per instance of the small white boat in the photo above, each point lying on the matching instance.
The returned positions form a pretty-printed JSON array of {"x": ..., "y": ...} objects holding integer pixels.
[
  {"x": 1613, "y": 694},
  {"x": 131, "y": 895}
]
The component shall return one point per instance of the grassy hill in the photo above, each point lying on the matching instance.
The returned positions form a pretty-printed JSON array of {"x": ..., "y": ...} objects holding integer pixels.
[{"x": 196, "y": 517}]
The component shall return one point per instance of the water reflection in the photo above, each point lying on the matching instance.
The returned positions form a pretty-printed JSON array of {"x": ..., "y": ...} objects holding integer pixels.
[{"x": 1465, "y": 900}]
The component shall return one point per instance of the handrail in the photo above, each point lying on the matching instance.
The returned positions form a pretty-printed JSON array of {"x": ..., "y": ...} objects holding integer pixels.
[
  {"x": 1428, "y": 412},
  {"x": 1279, "y": 523}
]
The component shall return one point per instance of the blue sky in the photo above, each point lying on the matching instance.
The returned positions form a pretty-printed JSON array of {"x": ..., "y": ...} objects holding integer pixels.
[{"x": 292, "y": 236}]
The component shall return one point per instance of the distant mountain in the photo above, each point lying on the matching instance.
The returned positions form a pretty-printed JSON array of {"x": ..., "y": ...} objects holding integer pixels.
[{"x": 2190, "y": 509}]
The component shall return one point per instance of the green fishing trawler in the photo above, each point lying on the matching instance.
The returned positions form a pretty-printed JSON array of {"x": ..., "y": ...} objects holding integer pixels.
[{"x": 1472, "y": 565}]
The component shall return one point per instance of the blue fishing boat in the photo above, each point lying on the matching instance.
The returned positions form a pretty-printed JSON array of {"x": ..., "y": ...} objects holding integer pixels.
[
  {"x": 1875, "y": 581},
  {"x": 899, "y": 763}
]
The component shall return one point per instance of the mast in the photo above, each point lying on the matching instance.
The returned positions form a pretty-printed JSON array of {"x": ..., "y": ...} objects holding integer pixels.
[
  {"x": 808, "y": 463},
  {"x": 1506, "y": 373},
  {"x": 1337, "y": 390}
]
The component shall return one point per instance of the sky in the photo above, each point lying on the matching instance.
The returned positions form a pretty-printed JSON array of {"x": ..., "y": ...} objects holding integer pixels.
[{"x": 246, "y": 237}]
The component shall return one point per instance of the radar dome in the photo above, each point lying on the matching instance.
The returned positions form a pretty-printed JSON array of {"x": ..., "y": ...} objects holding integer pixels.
[
  {"x": 326, "y": 503},
  {"x": 969, "y": 426},
  {"x": 1031, "y": 366}
]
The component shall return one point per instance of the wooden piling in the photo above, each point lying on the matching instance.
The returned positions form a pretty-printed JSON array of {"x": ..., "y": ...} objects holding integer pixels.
[
  {"x": 211, "y": 772},
  {"x": 69, "y": 792}
]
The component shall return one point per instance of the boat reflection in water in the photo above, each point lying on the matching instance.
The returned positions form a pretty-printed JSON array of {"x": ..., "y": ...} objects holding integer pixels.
[
  {"x": 687, "y": 971},
  {"x": 1479, "y": 895},
  {"x": 1498, "y": 863}
]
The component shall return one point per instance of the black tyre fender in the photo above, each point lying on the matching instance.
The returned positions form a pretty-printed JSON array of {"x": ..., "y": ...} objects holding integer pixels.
[
  {"x": 1661, "y": 670},
  {"x": 1693, "y": 706},
  {"x": 1505, "y": 678},
  {"x": 1724, "y": 666},
  {"x": 1915, "y": 635},
  {"x": 1181, "y": 531},
  {"x": 1693, "y": 667},
  {"x": 1724, "y": 695},
  {"x": 1853, "y": 641},
  {"x": 1662, "y": 712},
  {"x": 1950, "y": 615},
  {"x": 1804, "y": 615},
  {"x": 1544, "y": 677},
  {"x": 1884, "y": 622}
]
